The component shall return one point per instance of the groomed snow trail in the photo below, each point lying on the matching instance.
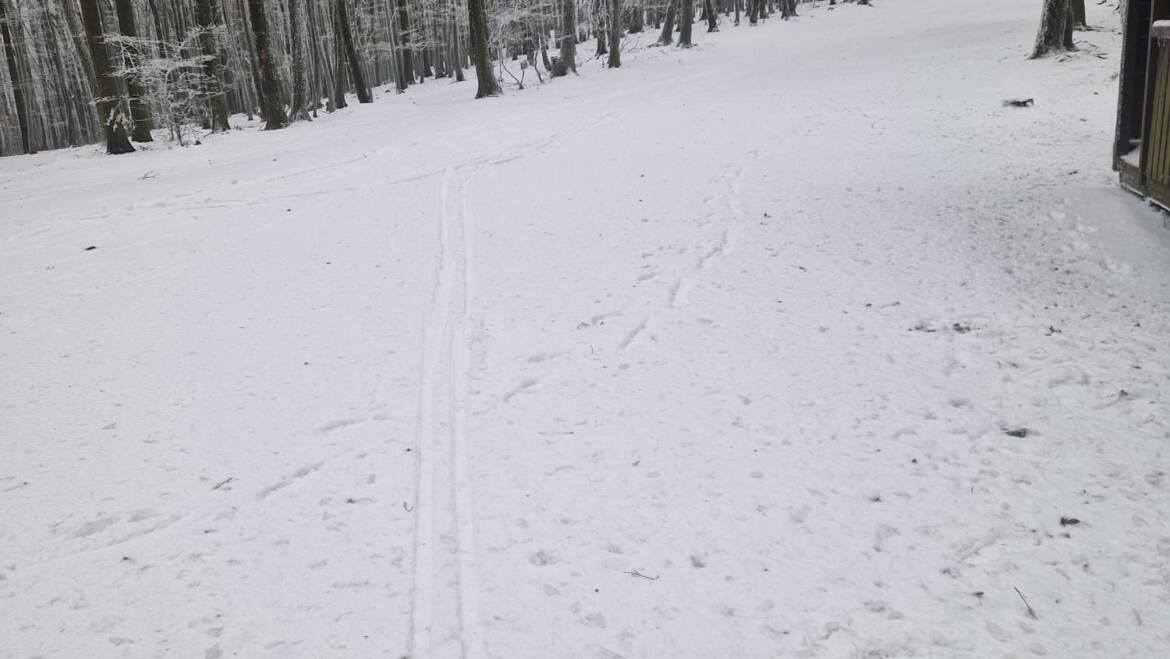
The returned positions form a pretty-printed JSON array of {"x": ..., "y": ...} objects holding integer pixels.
[
  {"x": 797, "y": 343},
  {"x": 445, "y": 608}
]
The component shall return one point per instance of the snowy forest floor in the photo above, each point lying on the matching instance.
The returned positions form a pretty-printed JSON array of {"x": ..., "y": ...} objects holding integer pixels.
[{"x": 798, "y": 343}]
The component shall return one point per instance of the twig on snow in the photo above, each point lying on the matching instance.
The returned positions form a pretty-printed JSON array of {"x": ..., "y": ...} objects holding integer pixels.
[
  {"x": 223, "y": 482},
  {"x": 1031, "y": 611},
  {"x": 635, "y": 573},
  {"x": 407, "y": 507}
]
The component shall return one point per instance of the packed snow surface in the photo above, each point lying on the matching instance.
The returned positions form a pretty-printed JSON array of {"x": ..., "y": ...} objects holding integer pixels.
[{"x": 795, "y": 344}]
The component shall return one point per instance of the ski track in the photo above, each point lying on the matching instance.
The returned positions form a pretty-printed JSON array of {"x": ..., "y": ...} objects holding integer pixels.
[
  {"x": 797, "y": 430},
  {"x": 444, "y": 602}
]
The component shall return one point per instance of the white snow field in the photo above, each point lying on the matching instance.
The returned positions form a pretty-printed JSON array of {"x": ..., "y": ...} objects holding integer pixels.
[{"x": 715, "y": 355}]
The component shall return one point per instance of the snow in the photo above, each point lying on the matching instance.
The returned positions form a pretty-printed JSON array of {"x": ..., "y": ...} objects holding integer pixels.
[
  {"x": 715, "y": 355},
  {"x": 1134, "y": 157}
]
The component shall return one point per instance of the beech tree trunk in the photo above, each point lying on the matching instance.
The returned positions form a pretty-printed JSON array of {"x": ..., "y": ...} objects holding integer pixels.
[
  {"x": 355, "y": 64},
  {"x": 405, "y": 57},
  {"x": 615, "y": 34},
  {"x": 139, "y": 104},
  {"x": 205, "y": 16},
  {"x": 271, "y": 108},
  {"x": 477, "y": 21},
  {"x": 1056, "y": 29},
  {"x": 110, "y": 104},
  {"x": 667, "y": 36},
  {"x": 599, "y": 28},
  {"x": 569, "y": 35},
  {"x": 686, "y": 21},
  {"x": 14, "y": 74},
  {"x": 300, "y": 79},
  {"x": 1078, "y": 14}
]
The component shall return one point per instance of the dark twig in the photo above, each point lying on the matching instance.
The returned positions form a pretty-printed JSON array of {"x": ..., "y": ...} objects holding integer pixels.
[
  {"x": 223, "y": 482},
  {"x": 406, "y": 507},
  {"x": 1031, "y": 611},
  {"x": 635, "y": 573}
]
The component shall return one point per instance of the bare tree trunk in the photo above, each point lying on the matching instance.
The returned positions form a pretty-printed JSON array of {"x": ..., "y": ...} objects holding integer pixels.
[
  {"x": 1056, "y": 27},
  {"x": 405, "y": 57},
  {"x": 340, "y": 82},
  {"x": 456, "y": 54},
  {"x": 300, "y": 80},
  {"x": 205, "y": 16},
  {"x": 18, "y": 83},
  {"x": 686, "y": 21},
  {"x": 271, "y": 109},
  {"x": 712, "y": 16},
  {"x": 667, "y": 36},
  {"x": 139, "y": 104},
  {"x": 355, "y": 64},
  {"x": 569, "y": 35},
  {"x": 599, "y": 28},
  {"x": 111, "y": 108},
  {"x": 477, "y": 21},
  {"x": 615, "y": 34},
  {"x": 637, "y": 18},
  {"x": 1078, "y": 14}
]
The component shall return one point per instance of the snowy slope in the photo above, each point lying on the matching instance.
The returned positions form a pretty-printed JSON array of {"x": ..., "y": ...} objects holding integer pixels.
[{"x": 710, "y": 356}]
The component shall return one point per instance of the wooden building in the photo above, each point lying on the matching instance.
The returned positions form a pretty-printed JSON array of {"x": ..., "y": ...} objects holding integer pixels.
[{"x": 1141, "y": 151}]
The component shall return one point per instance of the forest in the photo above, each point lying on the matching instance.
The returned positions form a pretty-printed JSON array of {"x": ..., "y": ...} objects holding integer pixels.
[{"x": 85, "y": 71}]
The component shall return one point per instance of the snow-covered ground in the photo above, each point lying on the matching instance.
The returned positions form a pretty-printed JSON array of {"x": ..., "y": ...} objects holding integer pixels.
[{"x": 798, "y": 343}]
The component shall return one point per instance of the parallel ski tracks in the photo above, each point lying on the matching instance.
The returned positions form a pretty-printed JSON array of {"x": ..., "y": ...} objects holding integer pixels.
[{"x": 445, "y": 594}]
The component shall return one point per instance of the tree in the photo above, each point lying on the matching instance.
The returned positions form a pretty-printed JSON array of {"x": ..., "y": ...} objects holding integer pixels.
[
  {"x": 355, "y": 64},
  {"x": 139, "y": 104},
  {"x": 712, "y": 15},
  {"x": 686, "y": 21},
  {"x": 110, "y": 105},
  {"x": 299, "y": 109},
  {"x": 667, "y": 36},
  {"x": 405, "y": 60},
  {"x": 599, "y": 28},
  {"x": 271, "y": 107},
  {"x": 477, "y": 23},
  {"x": 1078, "y": 14},
  {"x": 1056, "y": 29},
  {"x": 18, "y": 84},
  {"x": 569, "y": 35},
  {"x": 205, "y": 16},
  {"x": 615, "y": 34}
]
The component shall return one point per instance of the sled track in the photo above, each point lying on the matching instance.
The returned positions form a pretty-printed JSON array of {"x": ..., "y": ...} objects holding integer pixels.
[{"x": 444, "y": 604}]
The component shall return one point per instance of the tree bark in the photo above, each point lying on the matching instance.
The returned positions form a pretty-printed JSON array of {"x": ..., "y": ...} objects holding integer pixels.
[
  {"x": 111, "y": 108},
  {"x": 1078, "y": 14},
  {"x": 456, "y": 53},
  {"x": 615, "y": 34},
  {"x": 355, "y": 64},
  {"x": 686, "y": 21},
  {"x": 205, "y": 16},
  {"x": 667, "y": 36},
  {"x": 569, "y": 35},
  {"x": 340, "y": 82},
  {"x": 599, "y": 28},
  {"x": 14, "y": 74},
  {"x": 300, "y": 79},
  {"x": 477, "y": 20},
  {"x": 712, "y": 16},
  {"x": 271, "y": 109},
  {"x": 1056, "y": 25},
  {"x": 139, "y": 103},
  {"x": 405, "y": 57}
]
